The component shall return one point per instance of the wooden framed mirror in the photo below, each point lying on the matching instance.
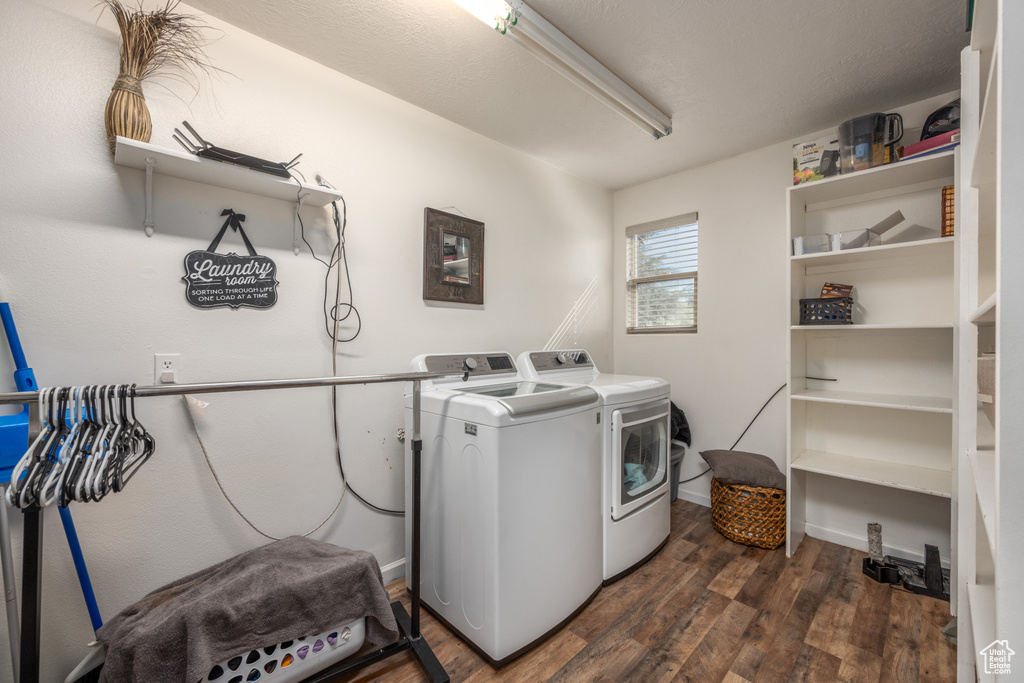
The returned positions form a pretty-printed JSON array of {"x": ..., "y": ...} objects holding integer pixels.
[{"x": 453, "y": 258}]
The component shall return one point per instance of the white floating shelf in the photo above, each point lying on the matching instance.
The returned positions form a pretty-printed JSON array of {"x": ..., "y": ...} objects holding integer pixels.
[
  {"x": 940, "y": 246},
  {"x": 928, "y": 404},
  {"x": 893, "y": 475},
  {"x": 912, "y": 172},
  {"x": 133, "y": 154},
  {"x": 983, "y": 466},
  {"x": 886, "y": 326},
  {"x": 168, "y": 162},
  {"x": 985, "y": 316}
]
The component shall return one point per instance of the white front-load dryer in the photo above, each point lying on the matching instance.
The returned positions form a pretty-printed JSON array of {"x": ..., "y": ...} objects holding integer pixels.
[
  {"x": 636, "y": 470},
  {"x": 511, "y": 485}
]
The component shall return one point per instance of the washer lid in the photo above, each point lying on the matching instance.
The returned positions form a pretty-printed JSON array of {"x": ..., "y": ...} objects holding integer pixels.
[{"x": 524, "y": 398}]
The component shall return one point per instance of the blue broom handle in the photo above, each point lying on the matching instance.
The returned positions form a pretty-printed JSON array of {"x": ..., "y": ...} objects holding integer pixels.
[
  {"x": 24, "y": 378},
  {"x": 83, "y": 573}
]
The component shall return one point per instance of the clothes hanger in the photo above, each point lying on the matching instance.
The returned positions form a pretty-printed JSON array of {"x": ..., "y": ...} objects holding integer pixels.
[
  {"x": 81, "y": 448},
  {"x": 50, "y": 490},
  {"x": 100, "y": 484},
  {"x": 17, "y": 483},
  {"x": 29, "y": 491},
  {"x": 137, "y": 458},
  {"x": 95, "y": 445}
]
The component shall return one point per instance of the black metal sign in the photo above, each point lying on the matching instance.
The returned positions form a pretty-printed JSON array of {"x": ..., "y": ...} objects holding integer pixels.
[{"x": 214, "y": 279}]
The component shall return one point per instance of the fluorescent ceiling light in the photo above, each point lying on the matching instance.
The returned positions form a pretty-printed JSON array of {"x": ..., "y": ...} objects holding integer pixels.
[{"x": 516, "y": 20}]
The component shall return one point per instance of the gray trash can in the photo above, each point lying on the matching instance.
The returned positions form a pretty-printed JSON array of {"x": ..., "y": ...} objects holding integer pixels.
[{"x": 677, "y": 449}]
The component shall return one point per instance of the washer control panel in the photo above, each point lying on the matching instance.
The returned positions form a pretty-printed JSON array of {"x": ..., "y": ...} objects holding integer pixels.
[
  {"x": 560, "y": 360},
  {"x": 478, "y": 364}
]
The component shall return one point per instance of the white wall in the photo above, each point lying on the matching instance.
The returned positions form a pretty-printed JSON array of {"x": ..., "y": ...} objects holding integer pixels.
[
  {"x": 95, "y": 298},
  {"x": 723, "y": 374}
]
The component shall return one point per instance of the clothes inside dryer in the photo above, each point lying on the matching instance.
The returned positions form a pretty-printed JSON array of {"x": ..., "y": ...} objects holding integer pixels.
[{"x": 643, "y": 462}]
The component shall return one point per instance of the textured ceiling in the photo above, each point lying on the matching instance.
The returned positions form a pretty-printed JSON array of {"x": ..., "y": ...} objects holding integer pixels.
[{"x": 734, "y": 75}]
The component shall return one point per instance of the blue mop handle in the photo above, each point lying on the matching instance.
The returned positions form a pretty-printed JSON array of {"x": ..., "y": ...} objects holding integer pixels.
[
  {"x": 83, "y": 573},
  {"x": 24, "y": 378}
]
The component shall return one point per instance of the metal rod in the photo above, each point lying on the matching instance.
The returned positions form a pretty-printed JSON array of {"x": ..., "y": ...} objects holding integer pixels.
[
  {"x": 31, "y": 593},
  {"x": 33, "y": 528},
  {"x": 417, "y": 449},
  {"x": 249, "y": 385},
  {"x": 10, "y": 588}
]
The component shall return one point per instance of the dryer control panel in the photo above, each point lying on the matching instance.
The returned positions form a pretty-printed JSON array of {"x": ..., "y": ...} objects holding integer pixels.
[
  {"x": 560, "y": 360},
  {"x": 478, "y": 364}
]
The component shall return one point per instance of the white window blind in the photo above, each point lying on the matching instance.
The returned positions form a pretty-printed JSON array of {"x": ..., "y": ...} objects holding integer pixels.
[{"x": 661, "y": 272}]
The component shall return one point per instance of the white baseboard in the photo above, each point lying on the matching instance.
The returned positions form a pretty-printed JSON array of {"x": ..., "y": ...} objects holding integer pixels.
[
  {"x": 698, "y": 498},
  {"x": 861, "y": 543},
  {"x": 394, "y": 570}
]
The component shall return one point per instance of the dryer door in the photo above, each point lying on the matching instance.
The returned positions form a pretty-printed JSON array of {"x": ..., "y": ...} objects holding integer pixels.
[{"x": 641, "y": 456}]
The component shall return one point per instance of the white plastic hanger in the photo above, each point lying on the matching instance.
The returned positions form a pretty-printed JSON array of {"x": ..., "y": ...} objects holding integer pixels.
[
  {"x": 49, "y": 492},
  {"x": 14, "y": 490}
]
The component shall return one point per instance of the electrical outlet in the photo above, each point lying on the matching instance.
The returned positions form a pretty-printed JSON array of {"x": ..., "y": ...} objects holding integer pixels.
[{"x": 166, "y": 368}]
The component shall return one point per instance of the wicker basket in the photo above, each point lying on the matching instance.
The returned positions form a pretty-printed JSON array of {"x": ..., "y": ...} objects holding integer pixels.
[{"x": 750, "y": 515}]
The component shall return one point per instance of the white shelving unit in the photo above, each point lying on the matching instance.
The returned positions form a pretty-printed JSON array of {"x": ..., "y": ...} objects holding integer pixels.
[
  {"x": 989, "y": 467},
  {"x": 161, "y": 161},
  {"x": 873, "y": 402}
]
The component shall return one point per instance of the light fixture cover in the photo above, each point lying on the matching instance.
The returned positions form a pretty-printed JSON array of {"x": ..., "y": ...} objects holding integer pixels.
[{"x": 538, "y": 36}]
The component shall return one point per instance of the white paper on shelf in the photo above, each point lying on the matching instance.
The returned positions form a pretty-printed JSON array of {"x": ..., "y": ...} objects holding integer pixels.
[{"x": 887, "y": 223}]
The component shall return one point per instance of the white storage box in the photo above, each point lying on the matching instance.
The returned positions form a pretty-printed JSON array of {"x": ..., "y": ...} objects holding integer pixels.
[
  {"x": 810, "y": 244},
  {"x": 853, "y": 239}
]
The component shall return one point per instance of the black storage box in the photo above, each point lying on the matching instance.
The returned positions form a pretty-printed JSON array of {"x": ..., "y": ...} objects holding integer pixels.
[{"x": 833, "y": 311}]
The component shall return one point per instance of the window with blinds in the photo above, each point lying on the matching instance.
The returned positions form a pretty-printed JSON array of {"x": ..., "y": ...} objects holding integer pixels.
[{"x": 661, "y": 272}]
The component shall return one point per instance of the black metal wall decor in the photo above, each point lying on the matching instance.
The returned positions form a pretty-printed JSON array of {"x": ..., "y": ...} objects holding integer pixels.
[
  {"x": 453, "y": 258},
  {"x": 214, "y": 279}
]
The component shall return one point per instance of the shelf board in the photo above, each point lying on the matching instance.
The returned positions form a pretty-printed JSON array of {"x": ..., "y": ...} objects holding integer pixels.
[
  {"x": 985, "y": 316},
  {"x": 893, "y": 475},
  {"x": 928, "y": 404},
  {"x": 133, "y": 154},
  {"x": 885, "y": 326},
  {"x": 983, "y": 465},
  {"x": 982, "y": 608},
  {"x": 937, "y": 246},
  {"x": 882, "y": 178}
]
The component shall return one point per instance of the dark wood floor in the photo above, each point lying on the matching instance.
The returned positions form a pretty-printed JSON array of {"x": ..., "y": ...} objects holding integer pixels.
[{"x": 706, "y": 609}]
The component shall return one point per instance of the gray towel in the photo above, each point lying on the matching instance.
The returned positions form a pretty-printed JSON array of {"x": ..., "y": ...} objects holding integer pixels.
[{"x": 281, "y": 591}]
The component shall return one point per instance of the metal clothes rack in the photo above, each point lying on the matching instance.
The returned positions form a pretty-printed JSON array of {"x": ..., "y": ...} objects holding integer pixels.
[{"x": 409, "y": 624}]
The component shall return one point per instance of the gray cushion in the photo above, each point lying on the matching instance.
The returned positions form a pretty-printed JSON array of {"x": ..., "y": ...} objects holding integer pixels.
[{"x": 748, "y": 469}]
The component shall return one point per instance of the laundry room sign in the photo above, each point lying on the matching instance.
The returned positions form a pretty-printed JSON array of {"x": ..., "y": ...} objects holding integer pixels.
[{"x": 213, "y": 279}]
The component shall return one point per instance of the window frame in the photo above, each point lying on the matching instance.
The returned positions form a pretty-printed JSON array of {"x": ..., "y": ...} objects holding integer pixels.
[{"x": 632, "y": 282}]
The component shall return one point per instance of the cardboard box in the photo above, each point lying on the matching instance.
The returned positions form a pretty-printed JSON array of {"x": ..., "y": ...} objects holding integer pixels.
[{"x": 815, "y": 159}]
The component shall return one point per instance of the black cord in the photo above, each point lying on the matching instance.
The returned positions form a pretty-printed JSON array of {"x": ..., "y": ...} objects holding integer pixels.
[
  {"x": 749, "y": 424},
  {"x": 339, "y": 258}
]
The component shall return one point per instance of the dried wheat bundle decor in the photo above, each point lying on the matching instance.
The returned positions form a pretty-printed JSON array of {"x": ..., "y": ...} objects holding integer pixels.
[{"x": 151, "y": 42}]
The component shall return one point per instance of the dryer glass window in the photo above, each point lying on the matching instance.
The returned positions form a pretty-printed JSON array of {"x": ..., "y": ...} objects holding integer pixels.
[{"x": 643, "y": 457}]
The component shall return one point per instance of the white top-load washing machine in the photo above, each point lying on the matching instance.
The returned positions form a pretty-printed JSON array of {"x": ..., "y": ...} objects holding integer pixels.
[
  {"x": 636, "y": 476},
  {"x": 510, "y": 491}
]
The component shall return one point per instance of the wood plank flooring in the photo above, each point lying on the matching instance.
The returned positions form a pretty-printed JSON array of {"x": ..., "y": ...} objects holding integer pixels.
[{"x": 706, "y": 609}]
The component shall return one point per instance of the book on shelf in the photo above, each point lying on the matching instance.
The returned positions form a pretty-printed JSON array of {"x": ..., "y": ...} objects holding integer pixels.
[{"x": 939, "y": 143}]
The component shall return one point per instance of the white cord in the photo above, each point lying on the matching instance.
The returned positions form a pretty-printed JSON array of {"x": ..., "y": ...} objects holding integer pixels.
[{"x": 189, "y": 402}]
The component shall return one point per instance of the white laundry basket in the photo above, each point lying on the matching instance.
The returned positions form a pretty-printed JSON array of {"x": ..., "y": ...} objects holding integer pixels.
[{"x": 292, "y": 660}]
